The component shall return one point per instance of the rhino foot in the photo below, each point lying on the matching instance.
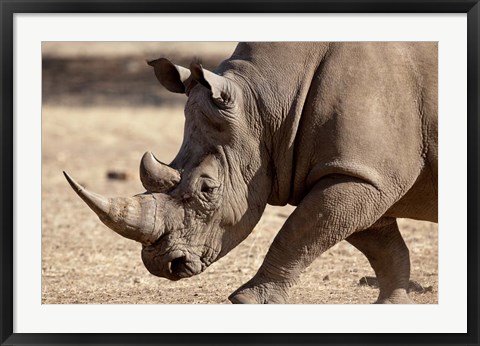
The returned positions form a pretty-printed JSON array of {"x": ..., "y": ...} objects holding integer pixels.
[
  {"x": 260, "y": 292},
  {"x": 248, "y": 298},
  {"x": 398, "y": 296},
  {"x": 242, "y": 298}
]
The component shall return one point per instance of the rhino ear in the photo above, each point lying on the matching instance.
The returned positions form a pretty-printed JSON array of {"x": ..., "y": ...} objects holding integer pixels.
[
  {"x": 172, "y": 77},
  {"x": 218, "y": 85}
]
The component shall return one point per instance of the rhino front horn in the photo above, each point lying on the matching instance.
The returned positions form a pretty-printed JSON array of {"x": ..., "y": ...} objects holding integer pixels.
[
  {"x": 157, "y": 176},
  {"x": 132, "y": 218}
]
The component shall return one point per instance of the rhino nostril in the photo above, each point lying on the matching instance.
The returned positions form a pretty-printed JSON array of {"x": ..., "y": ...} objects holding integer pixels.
[{"x": 177, "y": 265}]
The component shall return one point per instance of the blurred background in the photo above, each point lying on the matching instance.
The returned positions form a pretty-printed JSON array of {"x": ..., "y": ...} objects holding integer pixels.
[{"x": 102, "y": 109}]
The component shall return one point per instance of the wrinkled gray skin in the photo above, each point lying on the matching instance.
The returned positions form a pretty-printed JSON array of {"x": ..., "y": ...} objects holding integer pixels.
[{"x": 347, "y": 132}]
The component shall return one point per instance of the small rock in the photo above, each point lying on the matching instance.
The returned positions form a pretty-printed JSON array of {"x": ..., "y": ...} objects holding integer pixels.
[
  {"x": 326, "y": 278},
  {"x": 117, "y": 175}
]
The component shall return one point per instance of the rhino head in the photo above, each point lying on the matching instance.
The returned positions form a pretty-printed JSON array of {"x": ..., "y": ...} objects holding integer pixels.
[{"x": 209, "y": 198}]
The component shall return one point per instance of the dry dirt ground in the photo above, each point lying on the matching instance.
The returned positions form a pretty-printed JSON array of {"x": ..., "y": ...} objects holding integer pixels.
[{"x": 102, "y": 110}]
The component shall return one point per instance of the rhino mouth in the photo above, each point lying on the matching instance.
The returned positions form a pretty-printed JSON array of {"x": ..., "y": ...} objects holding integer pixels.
[{"x": 174, "y": 265}]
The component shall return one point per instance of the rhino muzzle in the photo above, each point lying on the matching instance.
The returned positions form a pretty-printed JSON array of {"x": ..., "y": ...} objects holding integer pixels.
[
  {"x": 135, "y": 218},
  {"x": 173, "y": 265}
]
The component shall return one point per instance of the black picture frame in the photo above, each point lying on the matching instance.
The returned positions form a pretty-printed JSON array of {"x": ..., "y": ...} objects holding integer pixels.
[{"x": 9, "y": 7}]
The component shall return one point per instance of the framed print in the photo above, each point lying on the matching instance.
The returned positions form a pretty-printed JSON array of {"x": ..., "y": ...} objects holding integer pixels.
[{"x": 271, "y": 137}]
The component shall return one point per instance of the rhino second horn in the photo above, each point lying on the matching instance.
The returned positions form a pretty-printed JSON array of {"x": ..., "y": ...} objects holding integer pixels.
[
  {"x": 157, "y": 176},
  {"x": 132, "y": 218}
]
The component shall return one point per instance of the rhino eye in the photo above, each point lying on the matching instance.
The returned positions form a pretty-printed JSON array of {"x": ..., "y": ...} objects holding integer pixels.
[{"x": 208, "y": 187}]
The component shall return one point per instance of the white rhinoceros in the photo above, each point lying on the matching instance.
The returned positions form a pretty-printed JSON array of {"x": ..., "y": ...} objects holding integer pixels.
[{"x": 347, "y": 132}]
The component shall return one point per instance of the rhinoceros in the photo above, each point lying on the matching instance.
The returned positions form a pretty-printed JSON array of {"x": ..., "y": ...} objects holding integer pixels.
[{"x": 346, "y": 132}]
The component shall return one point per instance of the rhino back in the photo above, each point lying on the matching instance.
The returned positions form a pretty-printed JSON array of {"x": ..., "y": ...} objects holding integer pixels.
[{"x": 371, "y": 112}]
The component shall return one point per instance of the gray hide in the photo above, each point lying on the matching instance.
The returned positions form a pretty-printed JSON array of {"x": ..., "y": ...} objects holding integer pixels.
[{"x": 347, "y": 132}]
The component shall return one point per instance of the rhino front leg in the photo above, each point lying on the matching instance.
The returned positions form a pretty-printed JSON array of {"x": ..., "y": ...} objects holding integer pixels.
[
  {"x": 336, "y": 207},
  {"x": 388, "y": 255}
]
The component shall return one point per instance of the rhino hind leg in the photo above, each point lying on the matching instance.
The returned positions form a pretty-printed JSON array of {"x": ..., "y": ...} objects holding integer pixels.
[
  {"x": 388, "y": 255},
  {"x": 334, "y": 209}
]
